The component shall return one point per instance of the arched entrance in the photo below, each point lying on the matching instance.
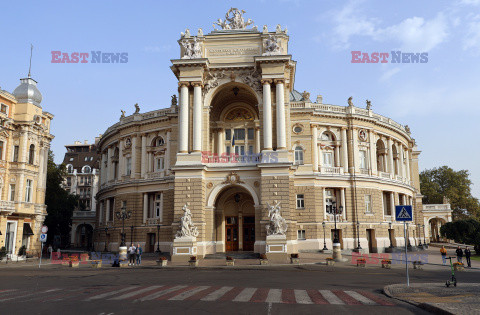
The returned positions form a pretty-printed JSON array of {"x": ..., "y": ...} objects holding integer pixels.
[
  {"x": 83, "y": 236},
  {"x": 235, "y": 220},
  {"x": 435, "y": 225}
]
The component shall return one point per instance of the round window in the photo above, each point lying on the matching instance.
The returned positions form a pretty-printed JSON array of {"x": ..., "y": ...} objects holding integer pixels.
[{"x": 297, "y": 129}]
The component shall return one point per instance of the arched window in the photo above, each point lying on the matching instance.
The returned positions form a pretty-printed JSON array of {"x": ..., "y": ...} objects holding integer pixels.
[
  {"x": 31, "y": 154},
  {"x": 158, "y": 142},
  {"x": 86, "y": 169},
  {"x": 69, "y": 168},
  {"x": 298, "y": 155},
  {"x": 327, "y": 136}
]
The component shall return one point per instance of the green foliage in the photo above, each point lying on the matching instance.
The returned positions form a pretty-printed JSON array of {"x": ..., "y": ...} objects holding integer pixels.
[
  {"x": 463, "y": 231},
  {"x": 3, "y": 252},
  {"x": 442, "y": 182},
  {"x": 22, "y": 251},
  {"x": 60, "y": 203}
]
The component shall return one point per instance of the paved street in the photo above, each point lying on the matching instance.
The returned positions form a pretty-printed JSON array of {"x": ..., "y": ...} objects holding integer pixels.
[{"x": 275, "y": 290}]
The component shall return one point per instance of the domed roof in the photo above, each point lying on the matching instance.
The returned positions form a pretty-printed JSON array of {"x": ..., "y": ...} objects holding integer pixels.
[{"x": 27, "y": 92}]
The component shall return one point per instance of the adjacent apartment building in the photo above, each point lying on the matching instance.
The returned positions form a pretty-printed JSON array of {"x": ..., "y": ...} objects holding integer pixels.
[{"x": 24, "y": 144}]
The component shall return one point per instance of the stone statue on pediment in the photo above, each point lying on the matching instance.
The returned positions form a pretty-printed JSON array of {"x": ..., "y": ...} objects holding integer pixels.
[
  {"x": 407, "y": 129},
  {"x": 233, "y": 20},
  {"x": 137, "y": 108},
  {"x": 306, "y": 96},
  {"x": 123, "y": 113},
  {"x": 369, "y": 105},
  {"x": 174, "y": 100},
  {"x": 350, "y": 102},
  {"x": 192, "y": 49},
  {"x": 271, "y": 46}
]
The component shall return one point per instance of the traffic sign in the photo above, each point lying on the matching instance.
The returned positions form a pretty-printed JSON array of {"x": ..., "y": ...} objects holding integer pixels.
[
  {"x": 44, "y": 229},
  {"x": 403, "y": 213},
  {"x": 43, "y": 238}
]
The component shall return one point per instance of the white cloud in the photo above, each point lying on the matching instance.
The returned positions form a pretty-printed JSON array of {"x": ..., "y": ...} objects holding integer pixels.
[
  {"x": 470, "y": 2},
  {"x": 472, "y": 38}
]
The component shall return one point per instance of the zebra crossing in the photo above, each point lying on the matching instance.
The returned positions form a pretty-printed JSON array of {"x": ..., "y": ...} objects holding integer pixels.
[{"x": 138, "y": 294}]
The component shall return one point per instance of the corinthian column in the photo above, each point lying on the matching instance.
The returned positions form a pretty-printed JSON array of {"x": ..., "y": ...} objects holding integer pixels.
[
  {"x": 143, "y": 158},
  {"x": 315, "y": 148},
  {"x": 344, "y": 150},
  {"x": 281, "y": 132},
  {"x": 197, "y": 117},
  {"x": 183, "y": 118},
  {"x": 391, "y": 166},
  {"x": 267, "y": 115}
]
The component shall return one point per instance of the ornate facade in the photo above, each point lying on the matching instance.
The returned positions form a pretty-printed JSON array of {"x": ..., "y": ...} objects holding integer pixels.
[
  {"x": 24, "y": 143},
  {"x": 242, "y": 138}
]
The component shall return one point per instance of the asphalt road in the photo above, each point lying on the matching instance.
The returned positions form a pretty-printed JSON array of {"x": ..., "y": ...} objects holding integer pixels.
[{"x": 273, "y": 290}]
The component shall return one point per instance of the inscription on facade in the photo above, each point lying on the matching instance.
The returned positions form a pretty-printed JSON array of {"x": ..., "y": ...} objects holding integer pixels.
[{"x": 233, "y": 51}]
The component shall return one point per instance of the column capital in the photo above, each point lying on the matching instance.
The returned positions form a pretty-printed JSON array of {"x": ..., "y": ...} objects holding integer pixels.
[
  {"x": 279, "y": 81},
  {"x": 197, "y": 83},
  {"x": 266, "y": 81},
  {"x": 183, "y": 83}
]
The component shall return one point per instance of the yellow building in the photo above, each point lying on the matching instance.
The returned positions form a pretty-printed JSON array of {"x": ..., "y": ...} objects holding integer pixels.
[
  {"x": 241, "y": 138},
  {"x": 24, "y": 143}
]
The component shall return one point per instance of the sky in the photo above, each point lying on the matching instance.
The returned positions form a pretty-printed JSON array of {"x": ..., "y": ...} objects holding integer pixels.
[{"x": 437, "y": 99}]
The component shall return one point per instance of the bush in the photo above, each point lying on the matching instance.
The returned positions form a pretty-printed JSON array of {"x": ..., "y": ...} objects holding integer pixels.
[
  {"x": 22, "y": 251},
  {"x": 3, "y": 252}
]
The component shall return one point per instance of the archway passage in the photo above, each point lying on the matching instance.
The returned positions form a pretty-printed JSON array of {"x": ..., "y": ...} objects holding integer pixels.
[
  {"x": 235, "y": 220},
  {"x": 84, "y": 235},
  {"x": 435, "y": 225}
]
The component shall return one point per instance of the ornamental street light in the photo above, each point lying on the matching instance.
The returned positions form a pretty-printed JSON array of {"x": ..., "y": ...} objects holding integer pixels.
[
  {"x": 420, "y": 235},
  {"x": 106, "y": 238},
  {"x": 335, "y": 212},
  {"x": 358, "y": 234},
  {"x": 424, "y": 241},
  {"x": 324, "y": 241},
  {"x": 123, "y": 215}
]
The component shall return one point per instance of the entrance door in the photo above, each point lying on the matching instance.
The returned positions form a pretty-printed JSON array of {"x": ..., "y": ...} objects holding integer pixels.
[
  {"x": 372, "y": 246},
  {"x": 231, "y": 234},
  {"x": 248, "y": 233},
  {"x": 10, "y": 238},
  {"x": 151, "y": 242}
]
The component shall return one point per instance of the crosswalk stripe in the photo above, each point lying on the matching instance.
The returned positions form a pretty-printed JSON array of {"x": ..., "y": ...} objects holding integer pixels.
[
  {"x": 274, "y": 296},
  {"x": 174, "y": 293},
  {"x": 188, "y": 293},
  {"x": 316, "y": 297},
  {"x": 360, "y": 298},
  {"x": 217, "y": 294},
  {"x": 260, "y": 295},
  {"x": 288, "y": 296},
  {"x": 162, "y": 292},
  {"x": 301, "y": 297},
  {"x": 137, "y": 292},
  {"x": 104, "y": 295},
  {"x": 375, "y": 298},
  {"x": 330, "y": 297},
  {"x": 245, "y": 295},
  {"x": 346, "y": 298},
  {"x": 28, "y": 295},
  {"x": 7, "y": 291}
]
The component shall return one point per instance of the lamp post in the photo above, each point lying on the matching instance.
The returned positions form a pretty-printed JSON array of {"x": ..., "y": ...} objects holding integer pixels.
[
  {"x": 131, "y": 234},
  {"x": 420, "y": 236},
  {"x": 158, "y": 238},
  {"x": 424, "y": 241},
  {"x": 324, "y": 241},
  {"x": 358, "y": 236},
  {"x": 390, "y": 234},
  {"x": 337, "y": 252},
  {"x": 106, "y": 238},
  {"x": 123, "y": 215}
]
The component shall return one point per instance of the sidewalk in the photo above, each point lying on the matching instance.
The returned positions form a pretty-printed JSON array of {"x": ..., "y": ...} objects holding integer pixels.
[{"x": 438, "y": 299}]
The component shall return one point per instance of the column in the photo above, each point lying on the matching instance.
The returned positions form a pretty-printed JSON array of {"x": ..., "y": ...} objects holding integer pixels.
[
  {"x": 145, "y": 207},
  {"x": 315, "y": 147},
  {"x": 100, "y": 212},
  {"x": 391, "y": 167},
  {"x": 143, "y": 159},
  {"x": 197, "y": 117},
  {"x": 109, "y": 164},
  {"x": 167, "y": 153},
  {"x": 45, "y": 166},
  {"x": 41, "y": 169},
  {"x": 373, "y": 153},
  {"x": 400, "y": 164},
  {"x": 342, "y": 203},
  {"x": 281, "y": 132},
  {"x": 219, "y": 141},
  {"x": 23, "y": 146},
  {"x": 267, "y": 115},
  {"x": 356, "y": 152},
  {"x": 107, "y": 210},
  {"x": 183, "y": 119},
  {"x": 258, "y": 149},
  {"x": 337, "y": 156},
  {"x": 344, "y": 150},
  {"x": 407, "y": 155},
  {"x": 121, "y": 160},
  {"x": 103, "y": 170},
  {"x": 134, "y": 156},
  {"x": 392, "y": 205}
]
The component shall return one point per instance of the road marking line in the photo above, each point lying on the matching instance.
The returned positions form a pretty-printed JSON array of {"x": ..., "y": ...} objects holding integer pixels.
[
  {"x": 104, "y": 295},
  {"x": 245, "y": 295},
  {"x": 346, "y": 298},
  {"x": 331, "y": 298},
  {"x": 288, "y": 296},
  {"x": 131, "y": 294},
  {"x": 274, "y": 296},
  {"x": 27, "y": 295},
  {"x": 260, "y": 295},
  {"x": 301, "y": 296},
  {"x": 360, "y": 298},
  {"x": 188, "y": 293},
  {"x": 217, "y": 294},
  {"x": 162, "y": 292},
  {"x": 375, "y": 298},
  {"x": 316, "y": 297}
]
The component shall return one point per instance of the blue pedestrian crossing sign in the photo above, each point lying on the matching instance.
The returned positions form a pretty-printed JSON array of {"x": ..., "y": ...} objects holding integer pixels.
[{"x": 403, "y": 213}]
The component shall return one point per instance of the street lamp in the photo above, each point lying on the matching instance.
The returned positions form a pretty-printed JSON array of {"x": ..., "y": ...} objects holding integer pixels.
[
  {"x": 390, "y": 234},
  {"x": 358, "y": 234},
  {"x": 333, "y": 209},
  {"x": 106, "y": 238},
  {"x": 324, "y": 241},
  {"x": 158, "y": 238},
  {"x": 131, "y": 234},
  {"x": 123, "y": 215},
  {"x": 424, "y": 241},
  {"x": 420, "y": 235}
]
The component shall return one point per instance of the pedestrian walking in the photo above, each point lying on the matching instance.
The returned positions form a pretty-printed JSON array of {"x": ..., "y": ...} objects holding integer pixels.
[
  {"x": 139, "y": 254},
  {"x": 131, "y": 254},
  {"x": 467, "y": 256},
  {"x": 50, "y": 251},
  {"x": 443, "y": 252},
  {"x": 459, "y": 252}
]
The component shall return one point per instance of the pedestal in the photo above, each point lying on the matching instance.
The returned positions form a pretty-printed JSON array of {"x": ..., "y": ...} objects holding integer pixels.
[
  {"x": 184, "y": 248},
  {"x": 337, "y": 253},
  {"x": 276, "y": 248}
]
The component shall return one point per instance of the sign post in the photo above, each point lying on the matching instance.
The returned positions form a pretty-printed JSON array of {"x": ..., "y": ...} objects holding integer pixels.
[
  {"x": 43, "y": 239},
  {"x": 404, "y": 213}
]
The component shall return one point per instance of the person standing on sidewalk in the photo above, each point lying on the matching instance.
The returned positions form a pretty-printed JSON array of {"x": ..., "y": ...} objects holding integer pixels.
[
  {"x": 459, "y": 252},
  {"x": 131, "y": 253},
  {"x": 443, "y": 252},
  {"x": 467, "y": 256},
  {"x": 139, "y": 254}
]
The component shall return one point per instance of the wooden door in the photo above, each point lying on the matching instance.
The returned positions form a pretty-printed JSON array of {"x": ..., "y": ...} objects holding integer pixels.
[
  {"x": 231, "y": 234},
  {"x": 248, "y": 233},
  {"x": 370, "y": 240}
]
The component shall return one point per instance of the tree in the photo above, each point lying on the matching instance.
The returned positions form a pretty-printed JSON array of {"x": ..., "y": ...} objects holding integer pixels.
[
  {"x": 440, "y": 182},
  {"x": 60, "y": 203},
  {"x": 463, "y": 231}
]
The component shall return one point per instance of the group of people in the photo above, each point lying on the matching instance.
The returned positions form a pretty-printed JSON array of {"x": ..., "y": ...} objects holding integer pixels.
[
  {"x": 135, "y": 255},
  {"x": 460, "y": 253}
]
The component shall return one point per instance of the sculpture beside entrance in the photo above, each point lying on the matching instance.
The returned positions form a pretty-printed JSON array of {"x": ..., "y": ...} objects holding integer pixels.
[
  {"x": 187, "y": 228},
  {"x": 278, "y": 225},
  {"x": 185, "y": 242},
  {"x": 276, "y": 242}
]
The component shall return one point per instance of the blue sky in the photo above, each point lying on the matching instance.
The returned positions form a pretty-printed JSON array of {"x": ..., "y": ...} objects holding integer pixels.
[{"x": 438, "y": 100}]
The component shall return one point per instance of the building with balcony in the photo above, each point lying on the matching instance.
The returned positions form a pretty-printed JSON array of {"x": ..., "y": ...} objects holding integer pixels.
[
  {"x": 243, "y": 137},
  {"x": 82, "y": 165},
  {"x": 24, "y": 144}
]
